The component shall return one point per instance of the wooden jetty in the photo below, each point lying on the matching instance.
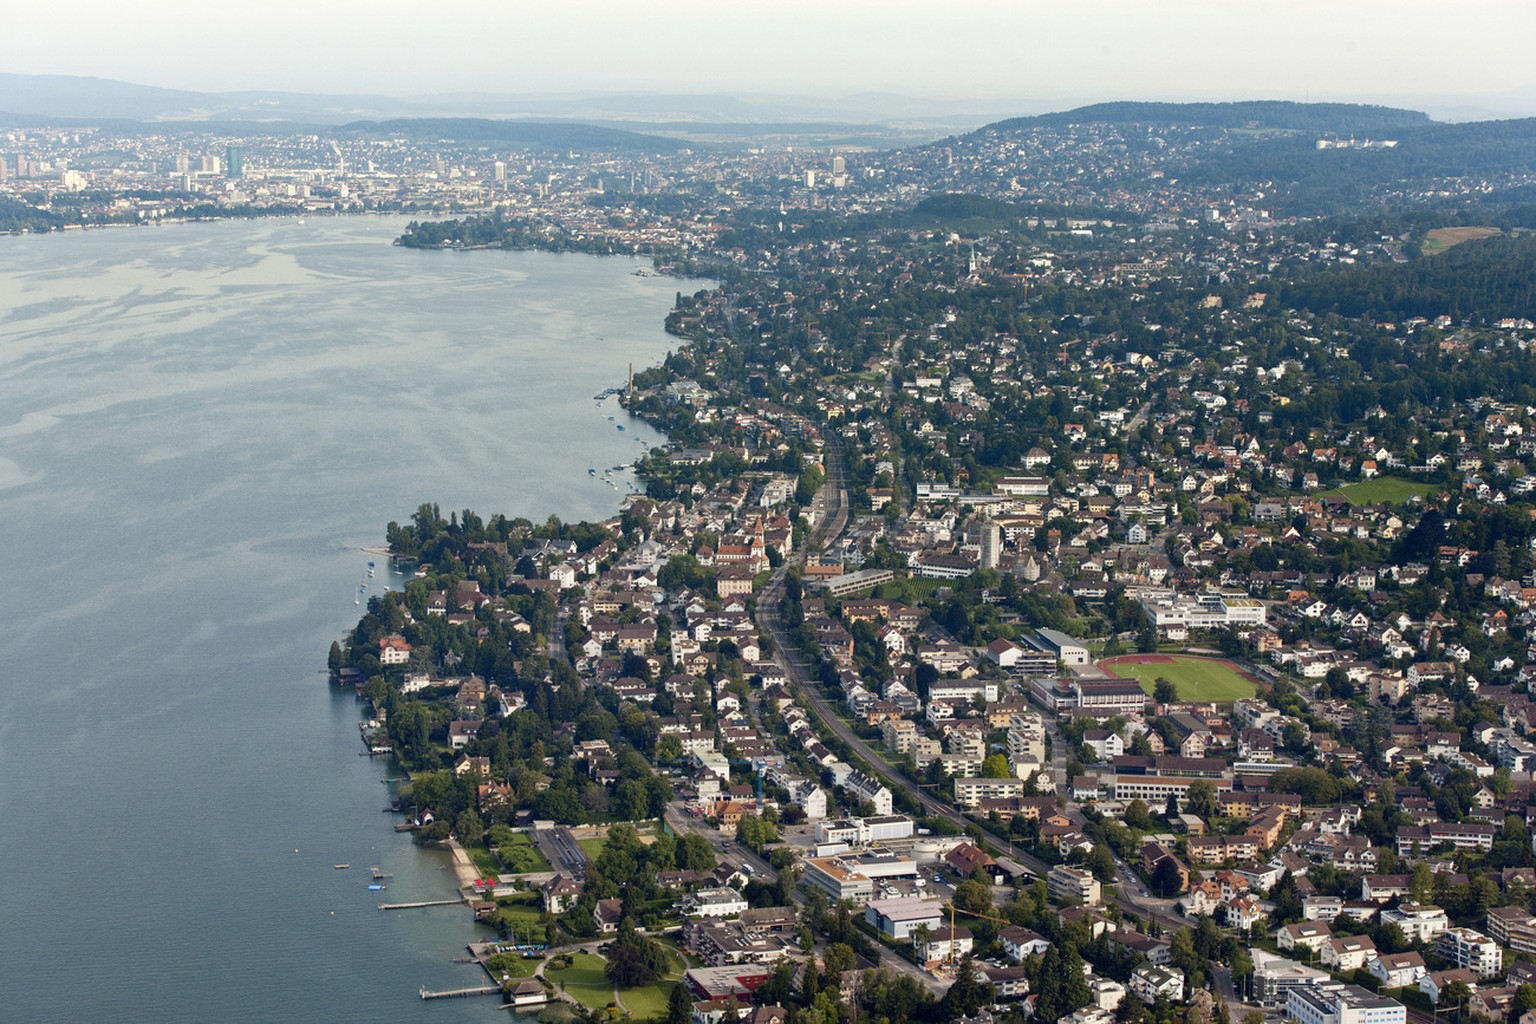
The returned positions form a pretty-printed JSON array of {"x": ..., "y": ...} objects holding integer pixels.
[
  {"x": 376, "y": 873},
  {"x": 421, "y": 903},
  {"x": 457, "y": 993}
]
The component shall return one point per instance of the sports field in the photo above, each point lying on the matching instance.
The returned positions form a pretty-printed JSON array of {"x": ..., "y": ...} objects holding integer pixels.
[
  {"x": 1195, "y": 679},
  {"x": 1392, "y": 490}
]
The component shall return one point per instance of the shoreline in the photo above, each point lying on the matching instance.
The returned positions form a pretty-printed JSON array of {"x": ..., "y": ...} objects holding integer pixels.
[{"x": 463, "y": 868}]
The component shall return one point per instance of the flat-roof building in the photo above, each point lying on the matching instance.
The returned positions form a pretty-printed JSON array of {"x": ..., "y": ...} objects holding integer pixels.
[{"x": 1334, "y": 1002}]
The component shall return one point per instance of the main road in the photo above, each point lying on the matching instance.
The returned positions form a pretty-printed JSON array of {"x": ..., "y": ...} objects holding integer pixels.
[{"x": 835, "y": 497}]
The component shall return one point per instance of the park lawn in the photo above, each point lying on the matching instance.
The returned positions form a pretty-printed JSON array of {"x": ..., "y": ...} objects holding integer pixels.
[
  {"x": 679, "y": 959},
  {"x": 584, "y": 980},
  {"x": 594, "y": 847},
  {"x": 1196, "y": 679},
  {"x": 1393, "y": 490},
  {"x": 515, "y": 966},
  {"x": 650, "y": 1002}
]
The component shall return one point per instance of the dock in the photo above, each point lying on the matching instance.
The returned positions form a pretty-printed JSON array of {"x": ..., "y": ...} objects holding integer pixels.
[
  {"x": 458, "y": 993},
  {"x": 421, "y": 903},
  {"x": 376, "y": 873}
]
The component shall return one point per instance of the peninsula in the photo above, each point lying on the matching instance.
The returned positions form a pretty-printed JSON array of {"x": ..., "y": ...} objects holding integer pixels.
[{"x": 1089, "y": 578}]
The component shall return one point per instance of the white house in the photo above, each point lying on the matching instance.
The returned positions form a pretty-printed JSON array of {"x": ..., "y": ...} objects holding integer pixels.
[{"x": 1148, "y": 982}]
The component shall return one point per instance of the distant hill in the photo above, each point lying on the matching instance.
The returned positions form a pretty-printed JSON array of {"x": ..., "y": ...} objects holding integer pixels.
[
  {"x": 522, "y": 133},
  {"x": 1272, "y": 114},
  {"x": 73, "y": 96},
  {"x": 50, "y": 97},
  {"x": 1320, "y": 177}
]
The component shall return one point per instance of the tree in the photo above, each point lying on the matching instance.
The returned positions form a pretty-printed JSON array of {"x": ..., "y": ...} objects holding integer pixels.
[
  {"x": 995, "y": 767},
  {"x": 1137, "y": 815},
  {"x": 1455, "y": 994},
  {"x": 468, "y": 828},
  {"x": 1421, "y": 883},
  {"x": 1076, "y": 992},
  {"x": 1050, "y": 1000},
  {"x": 1183, "y": 955},
  {"x": 632, "y": 801},
  {"x": 679, "y": 1006},
  {"x": 1166, "y": 880},
  {"x": 1101, "y": 862},
  {"x": 973, "y": 896},
  {"x": 754, "y": 833},
  {"x": 1200, "y": 799},
  {"x": 633, "y": 959},
  {"x": 695, "y": 854},
  {"x": 1164, "y": 692},
  {"x": 838, "y": 958},
  {"x": 968, "y": 994},
  {"x": 1524, "y": 999}
]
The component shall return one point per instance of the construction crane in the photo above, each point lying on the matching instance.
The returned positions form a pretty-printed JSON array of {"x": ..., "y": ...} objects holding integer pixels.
[
  {"x": 758, "y": 765},
  {"x": 953, "y": 960}
]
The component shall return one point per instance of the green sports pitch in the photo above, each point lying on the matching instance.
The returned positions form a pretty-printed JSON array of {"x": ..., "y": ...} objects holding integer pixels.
[{"x": 1195, "y": 679}]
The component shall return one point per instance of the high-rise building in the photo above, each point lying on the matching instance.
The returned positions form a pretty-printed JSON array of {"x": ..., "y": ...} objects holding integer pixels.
[
  {"x": 234, "y": 160},
  {"x": 991, "y": 543},
  {"x": 499, "y": 169},
  {"x": 838, "y": 165}
]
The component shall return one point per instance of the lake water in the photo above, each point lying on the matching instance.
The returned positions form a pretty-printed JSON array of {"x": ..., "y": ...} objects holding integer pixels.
[{"x": 200, "y": 428}]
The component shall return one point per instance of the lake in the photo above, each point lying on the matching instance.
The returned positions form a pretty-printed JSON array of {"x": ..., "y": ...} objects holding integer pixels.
[{"x": 201, "y": 426}]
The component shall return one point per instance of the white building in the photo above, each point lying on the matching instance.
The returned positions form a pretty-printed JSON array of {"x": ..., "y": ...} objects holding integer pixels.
[
  {"x": 900, "y": 918},
  {"x": 1469, "y": 948},
  {"x": 1073, "y": 883},
  {"x": 1148, "y": 982},
  {"x": 1418, "y": 922},
  {"x": 1274, "y": 977},
  {"x": 1334, "y": 1002},
  {"x": 722, "y": 902}
]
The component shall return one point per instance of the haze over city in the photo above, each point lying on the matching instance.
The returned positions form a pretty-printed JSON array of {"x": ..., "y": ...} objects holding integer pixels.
[{"x": 1456, "y": 61}]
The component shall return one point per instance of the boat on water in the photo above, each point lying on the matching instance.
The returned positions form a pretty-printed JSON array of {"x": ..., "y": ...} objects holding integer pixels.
[
  {"x": 377, "y": 888},
  {"x": 619, "y": 425},
  {"x": 591, "y": 471},
  {"x": 341, "y": 867}
]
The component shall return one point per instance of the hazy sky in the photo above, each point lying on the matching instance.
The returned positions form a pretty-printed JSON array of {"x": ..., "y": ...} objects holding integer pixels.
[{"x": 1472, "y": 51}]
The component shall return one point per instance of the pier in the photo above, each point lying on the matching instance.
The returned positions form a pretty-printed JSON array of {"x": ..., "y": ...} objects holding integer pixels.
[
  {"x": 421, "y": 903},
  {"x": 457, "y": 993}
]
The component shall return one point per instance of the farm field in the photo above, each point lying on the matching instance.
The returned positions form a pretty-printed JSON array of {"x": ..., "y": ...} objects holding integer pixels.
[
  {"x": 1441, "y": 239},
  {"x": 1195, "y": 679}
]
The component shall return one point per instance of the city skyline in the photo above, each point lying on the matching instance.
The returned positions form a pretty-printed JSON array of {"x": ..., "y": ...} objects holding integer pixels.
[{"x": 1036, "y": 56}]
